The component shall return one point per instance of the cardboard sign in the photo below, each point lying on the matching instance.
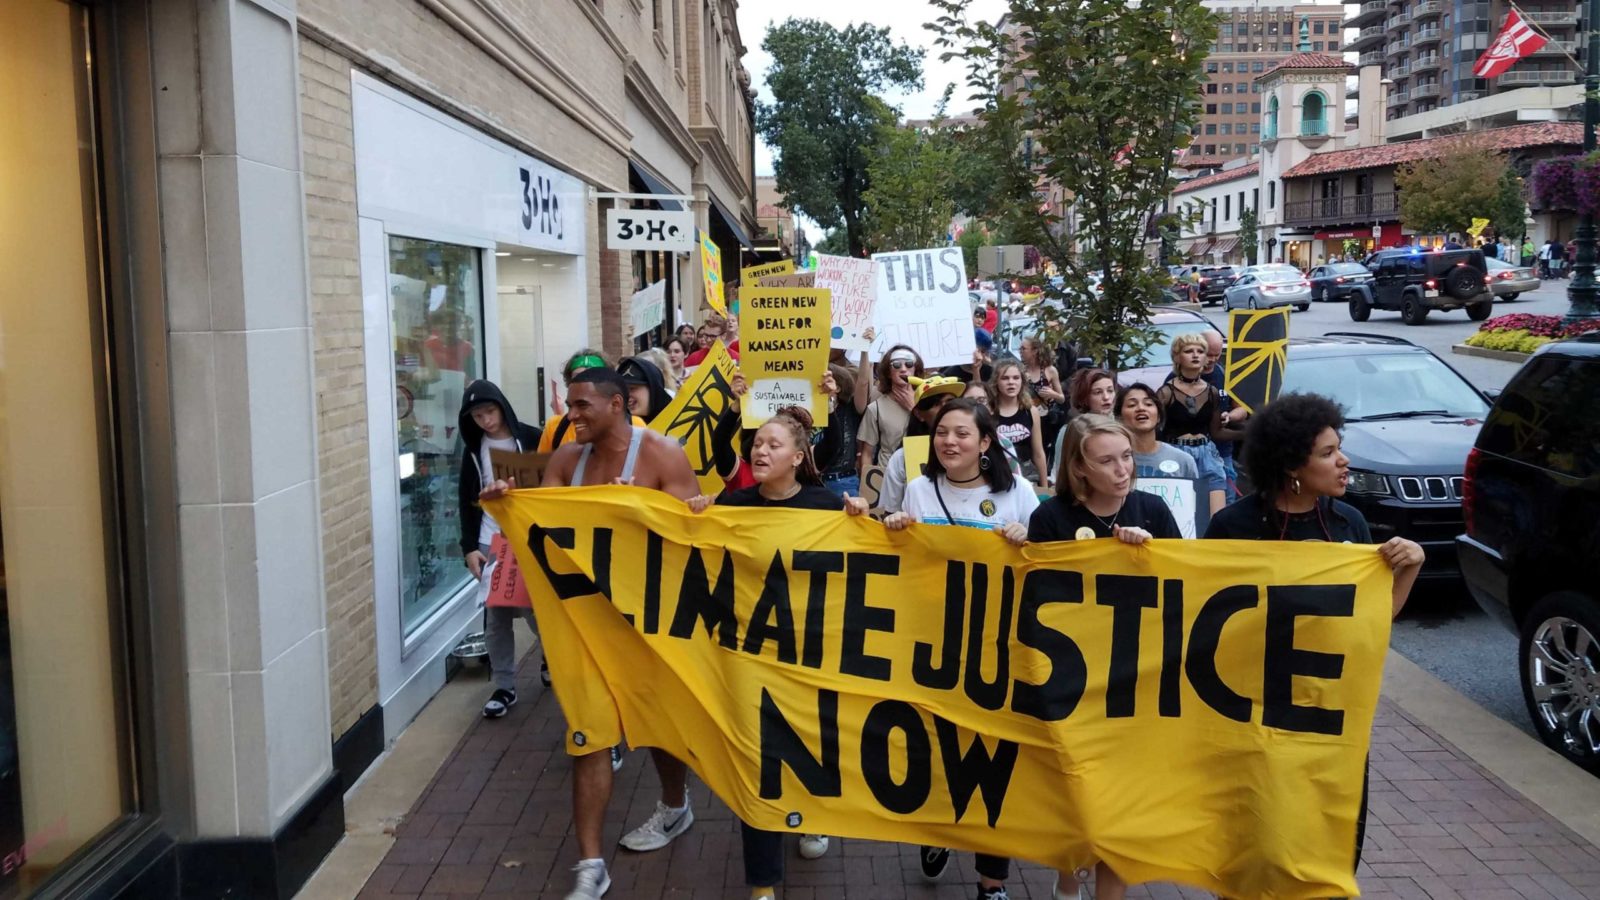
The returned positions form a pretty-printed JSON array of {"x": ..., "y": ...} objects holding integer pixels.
[
  {"x": 648, "y": 308},
  {"x": 1258, "y": 350},
  {"x": 783, "y": 351},
  {"x": 922, "y": 303},
  {"x": 916, "y": 456},
  {"x": 526, "y": 468},
  {"x": 1186, "y": 497},
  {"x": 711, "y": 273},
  {"x": 754, "y": 274},
  {"x": 792, "y": 280},
  {"x": 854, "y": 287}
]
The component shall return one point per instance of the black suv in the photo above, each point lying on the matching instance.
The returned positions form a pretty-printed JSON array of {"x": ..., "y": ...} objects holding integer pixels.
[
  {"x": 1531, "y": 554},
  {"x": 1213, "y": 281},
  {"x": 1415, "y": 281}
]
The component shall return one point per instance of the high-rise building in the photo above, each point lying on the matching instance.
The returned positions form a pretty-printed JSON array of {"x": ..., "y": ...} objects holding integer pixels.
[
  {"x": 1252, "y": 38},
  {"x": 1428, "y": 48}
]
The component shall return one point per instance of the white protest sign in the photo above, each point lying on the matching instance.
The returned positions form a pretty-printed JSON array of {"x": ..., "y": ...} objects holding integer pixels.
[
  {"x": 855, "y": 292},
  {"x": 1182, "y": 497},
  {"x": 922, "y": 303},
  {"x": 648, "y": 308}
]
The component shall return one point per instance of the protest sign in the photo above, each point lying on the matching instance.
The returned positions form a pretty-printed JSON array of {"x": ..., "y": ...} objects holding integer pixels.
[
  {"x": 648, "y": 308},
  {"x": 526, "y": 468},
  {"x": 1258, "y": 350},
  {"x": 783, "y": 351},
  {"x": 854, "y": 287},
  {"x": 922, "y": 303},
  {"x": 1179, "y": 718},
  {"x": 791, "y": 280},
  {"x": 916, "y": 456},
  {"x": 711, "y": 273},
  {"x": 754, "y": 274},
  {"x": 692, "y": 415},
  {"x": 1184, "y": 497}
]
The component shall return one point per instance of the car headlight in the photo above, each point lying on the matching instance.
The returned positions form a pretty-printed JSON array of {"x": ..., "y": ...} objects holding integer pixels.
[{"x": 1367, "y": 483}]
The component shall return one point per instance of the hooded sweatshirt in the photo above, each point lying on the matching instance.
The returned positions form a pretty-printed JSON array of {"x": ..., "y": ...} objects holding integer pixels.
[
  {"x": 633, "y": 369},
  {"x": 472, "y": 474}
]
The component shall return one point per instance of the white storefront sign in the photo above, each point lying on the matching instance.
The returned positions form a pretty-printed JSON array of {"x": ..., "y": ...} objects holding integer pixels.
[
  {"x": 650, "y": 229},
  {"x": 648, "y": 308}
]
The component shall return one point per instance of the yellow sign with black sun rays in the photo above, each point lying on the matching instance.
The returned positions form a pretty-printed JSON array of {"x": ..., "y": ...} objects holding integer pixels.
[
  {"x": 1258, "y": 343},
  {"x": 691, "y": 417}
]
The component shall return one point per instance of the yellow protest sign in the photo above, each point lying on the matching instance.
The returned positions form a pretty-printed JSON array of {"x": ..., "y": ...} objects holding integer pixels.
[
  {"x": 783, "y": 351},
  {"x": 692, "y": 415},
  {"x": 1477, "y": 229},
  {"x": 1186, "y": 711},
  {"x": 916, "y": 448},
  {"x": 711, "y": 273},
  {"x": 1258, "y": 352},
  {"x": 752, "y": 274}
]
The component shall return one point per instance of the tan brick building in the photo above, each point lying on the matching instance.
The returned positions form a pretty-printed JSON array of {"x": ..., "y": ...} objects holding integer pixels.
[{"x": 293, "y": 230}]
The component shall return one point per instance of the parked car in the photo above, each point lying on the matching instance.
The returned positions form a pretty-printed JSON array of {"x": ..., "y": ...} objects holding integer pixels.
[
  {"x": 1334, "y": 280},
  {"x": 1267, "y": 288},
  {"x": 1213, "y": 282},
  {"x": 1530, "y": 553},
  {"x": 1410, "y": 420},
  {"x": 1414, "y": 282},
  {"x": 1271, "y": 267},
  {"x": 1509, "y": 281}
]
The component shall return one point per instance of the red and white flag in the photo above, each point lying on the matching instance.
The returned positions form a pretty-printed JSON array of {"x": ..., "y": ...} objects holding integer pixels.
[{"x": 1516, "y": 40}]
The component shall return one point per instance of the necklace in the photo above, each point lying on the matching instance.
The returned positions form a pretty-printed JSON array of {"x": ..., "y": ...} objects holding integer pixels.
[
  {"x": 1187, "y": 380},
  {"x": 786, "y": 495},
  {"x": 971, "y": 480},
  {"x": 1110, "y": 524}
]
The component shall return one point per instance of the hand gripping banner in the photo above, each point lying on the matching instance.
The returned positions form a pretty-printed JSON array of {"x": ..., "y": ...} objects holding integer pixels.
[{"x": 1190, "y": 711}]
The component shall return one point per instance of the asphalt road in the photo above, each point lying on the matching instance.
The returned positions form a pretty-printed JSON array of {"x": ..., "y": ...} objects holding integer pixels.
[{"x": 1442, "y": 630}]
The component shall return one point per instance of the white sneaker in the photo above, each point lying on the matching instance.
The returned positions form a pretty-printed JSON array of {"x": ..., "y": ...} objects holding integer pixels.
[
  {"x": 1083, "y": 892},
  {"x": 591, "y": 880},
  {"x": 616, "y": 758},
  {"x": 662, "y": 828},
  {"x": 813, "y": 846}
]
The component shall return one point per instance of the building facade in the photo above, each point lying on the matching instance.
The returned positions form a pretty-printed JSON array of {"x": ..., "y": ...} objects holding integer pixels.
[
  {"x": 280, "y": 237},
  {"x": 1213, "y": 207}
]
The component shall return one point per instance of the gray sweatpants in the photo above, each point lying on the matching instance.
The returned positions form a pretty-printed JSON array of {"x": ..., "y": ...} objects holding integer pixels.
[{"x": 498, "y": 622}]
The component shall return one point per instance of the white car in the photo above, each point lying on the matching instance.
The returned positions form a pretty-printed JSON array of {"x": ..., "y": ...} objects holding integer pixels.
[
  {"x": 1267, "y": 288},
  {"x": 1508, "y": 281}
]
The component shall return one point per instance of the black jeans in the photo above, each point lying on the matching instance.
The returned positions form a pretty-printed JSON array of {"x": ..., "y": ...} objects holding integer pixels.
[
  {"x": 763, "y": 856},
  {"x": 997, "y": 868}
]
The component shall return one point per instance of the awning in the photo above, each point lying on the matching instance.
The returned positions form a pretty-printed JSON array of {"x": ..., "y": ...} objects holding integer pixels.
[
  {"x": 1198, "y": 248},
  {"x": 654, "y": 185},
  {"x": 732, "y": 223},
  {"x": 1225, "y": 245}
]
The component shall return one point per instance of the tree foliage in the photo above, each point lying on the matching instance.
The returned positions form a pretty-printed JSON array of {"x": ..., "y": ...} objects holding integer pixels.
[
  {"x": 1096, "y": 97},
  {"x": 1444, "y": 193},
  {"x": 913, "y": 178},
  {"x": 1509, "y": 214},
  {"x": 826, "y": 115},
  {"x": 1249, "y": 235},
  {"x": 969, "y": 242}
]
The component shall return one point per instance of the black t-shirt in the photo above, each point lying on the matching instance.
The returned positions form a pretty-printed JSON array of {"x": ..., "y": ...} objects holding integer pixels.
[
  {"x": 839, "y": 441},
  {"x": 1249, "y": 520},
  {"x": 811, "y": 496},
  {"x": 1058, "y": 520}
]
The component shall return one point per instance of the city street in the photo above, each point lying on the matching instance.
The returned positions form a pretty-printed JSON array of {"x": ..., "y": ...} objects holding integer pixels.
[{"x": 1442, "y": 630}]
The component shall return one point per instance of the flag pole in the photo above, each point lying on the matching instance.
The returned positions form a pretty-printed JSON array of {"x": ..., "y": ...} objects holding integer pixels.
[
  {"x": 1540, "y": 28},
  {"x": 1583, "y": 293}
]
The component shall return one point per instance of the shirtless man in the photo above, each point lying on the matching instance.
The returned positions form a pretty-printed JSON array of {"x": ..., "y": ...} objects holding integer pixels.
[{"x": 608, "y": 449}]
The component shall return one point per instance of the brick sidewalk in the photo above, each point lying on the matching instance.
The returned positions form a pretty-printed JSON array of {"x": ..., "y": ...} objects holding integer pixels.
[{"x": 496, "y": 822}]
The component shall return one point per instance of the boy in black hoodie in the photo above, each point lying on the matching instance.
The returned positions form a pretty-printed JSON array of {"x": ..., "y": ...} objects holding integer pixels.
[
  {"x": 488, "y": 423},
  {"x": 647, "y": 388}
]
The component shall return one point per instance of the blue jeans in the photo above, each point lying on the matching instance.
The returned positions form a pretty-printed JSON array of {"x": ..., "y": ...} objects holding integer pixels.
[
  {"x": 1209, "y": 461},
  {"x": 843, "y": 484}
]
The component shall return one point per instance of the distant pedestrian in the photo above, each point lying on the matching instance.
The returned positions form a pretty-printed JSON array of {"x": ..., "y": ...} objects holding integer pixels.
[
  {"x": 1490, "y": 250},
  {"x": 1529, "y": 251}
]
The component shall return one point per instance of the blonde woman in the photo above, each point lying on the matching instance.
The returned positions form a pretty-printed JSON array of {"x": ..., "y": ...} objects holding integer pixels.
[
  {"x": 1019, "y": 419},
  {"x": 663, "y": 362},
  {"x": 1192, "y": 416}
]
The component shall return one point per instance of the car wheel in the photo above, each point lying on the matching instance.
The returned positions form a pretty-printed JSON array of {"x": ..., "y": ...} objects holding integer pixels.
[
  {"x": 1463, "y": 282},
  {"x": 1511, "y": 296},
  {"x": 1318, "y": 295},
  {"x": 1412, "y": 310},
  {"x": 1477, "y": 312},
  {"x": 1302, "y": 307},
  {"x": 1560, "y": 659},
  {"x": 1360, "y": 309},
  {"x": 1253, "y": 302}
]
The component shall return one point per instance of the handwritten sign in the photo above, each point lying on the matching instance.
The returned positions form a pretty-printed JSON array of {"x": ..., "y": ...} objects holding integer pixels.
[
  {"x": 1182, "y": 496},
  {"x": 711, "y": 273},
  {"x": 526, "y": 468},
  {"x": 783, "y": 351},
  {"x": 854, "y": 287},
  {"x": 922, "y": 302},
  {"x": 648, "y": 308},
  {"x": 753, "y": 274}
]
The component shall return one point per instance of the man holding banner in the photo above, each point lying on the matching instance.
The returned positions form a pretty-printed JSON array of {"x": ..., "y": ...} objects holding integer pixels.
[{"x": 610, "y": 450}]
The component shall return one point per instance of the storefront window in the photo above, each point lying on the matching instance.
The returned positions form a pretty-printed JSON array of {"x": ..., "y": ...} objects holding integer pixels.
[
  {"x": 436, "y": 293},
  {"x": 65, "y": 774}
]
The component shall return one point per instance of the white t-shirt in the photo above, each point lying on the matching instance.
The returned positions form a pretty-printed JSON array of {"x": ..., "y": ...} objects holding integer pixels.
[
  {"x": 974, "y": 507},
  {"x": 489, "y": 528}
]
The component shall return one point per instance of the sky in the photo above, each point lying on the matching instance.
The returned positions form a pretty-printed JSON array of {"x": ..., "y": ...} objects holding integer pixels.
[{"x": 904, "y": 18}]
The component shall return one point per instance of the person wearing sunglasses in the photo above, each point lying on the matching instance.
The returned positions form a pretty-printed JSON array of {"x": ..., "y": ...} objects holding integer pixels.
[{"x": 883, "y": 425}]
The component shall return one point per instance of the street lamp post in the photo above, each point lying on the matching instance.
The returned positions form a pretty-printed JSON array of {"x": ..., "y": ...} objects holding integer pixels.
[{"x": 1583, "y": 293}]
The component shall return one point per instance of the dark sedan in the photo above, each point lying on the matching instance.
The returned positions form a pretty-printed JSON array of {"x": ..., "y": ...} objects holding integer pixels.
[
  {"x": 1333, "y": 281},
  {"x": 1410, "y": 422}
]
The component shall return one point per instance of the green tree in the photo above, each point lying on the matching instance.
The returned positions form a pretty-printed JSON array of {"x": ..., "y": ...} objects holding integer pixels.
[
  {"x": 1509, "y": 214},
  {"x": 911, "y": 199},
  {"x": 826, "y": 117},
  {"x": 969, "y": 242},
  {"x": 833, "y": 243},
  {"x": 1096, "y": 97},
  {"x": 1465, "y": 181},
  {"x": 1249, "y": 235}
]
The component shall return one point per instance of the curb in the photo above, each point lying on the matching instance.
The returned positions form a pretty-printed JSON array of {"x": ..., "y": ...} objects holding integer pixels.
[
  {"x": 1564, "y": 791},
  {"x": 1502, "y": 355}
]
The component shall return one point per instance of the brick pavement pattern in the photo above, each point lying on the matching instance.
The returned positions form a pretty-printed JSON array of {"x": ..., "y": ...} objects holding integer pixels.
[{"x": 496, "y": 822}]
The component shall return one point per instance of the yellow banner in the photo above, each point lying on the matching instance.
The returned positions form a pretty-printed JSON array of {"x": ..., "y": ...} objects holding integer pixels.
[
  {"x": 711, "y": 273},
  {"x": 751, "y": 274},
  {"x": 783, "y": 351},
  {"x": 916, "y": 448},
  {"x": 1477, "y": 229},
  {"x": 1196, "y": 712},
  {"x": 692, "y": 415}
]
